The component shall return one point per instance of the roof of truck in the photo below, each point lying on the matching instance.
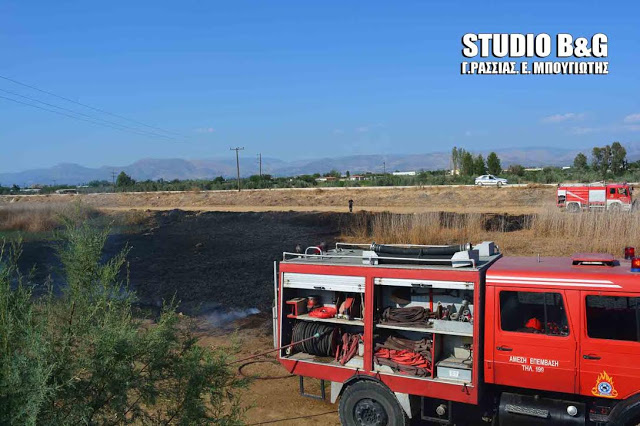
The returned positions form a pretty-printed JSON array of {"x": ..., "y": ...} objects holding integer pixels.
[
  {"x": 560, "y": 272},
  {"x": 356, "y": 257}
]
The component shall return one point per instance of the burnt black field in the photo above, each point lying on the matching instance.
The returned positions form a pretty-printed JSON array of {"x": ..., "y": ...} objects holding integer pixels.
[
  {"x": 214, "y": 261},
  {"x": 208, "y": 261}
]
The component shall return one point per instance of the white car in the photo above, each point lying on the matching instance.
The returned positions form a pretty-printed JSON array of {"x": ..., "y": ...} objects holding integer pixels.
[{"x": 490, "y": 180}]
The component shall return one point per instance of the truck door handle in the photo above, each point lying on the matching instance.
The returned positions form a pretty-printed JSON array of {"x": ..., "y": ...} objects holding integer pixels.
[
  {"x": 318, "y": 287},
  {"x": 589, "y": 356},
  {"x": 504, "y": 348}
]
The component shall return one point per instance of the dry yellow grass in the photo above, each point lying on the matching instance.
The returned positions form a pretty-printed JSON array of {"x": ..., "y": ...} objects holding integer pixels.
[
  {"x": 42, "y": 217},
  {"x": 513, "y": 200},
  {"x": 34, "y": 217},
  {"x": 550, "y": 233}
]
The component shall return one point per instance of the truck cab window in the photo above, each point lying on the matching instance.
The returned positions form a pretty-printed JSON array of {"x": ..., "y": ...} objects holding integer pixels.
[
  {"x": 603, "y": 311},
  {"x": 529, "y": 312}
]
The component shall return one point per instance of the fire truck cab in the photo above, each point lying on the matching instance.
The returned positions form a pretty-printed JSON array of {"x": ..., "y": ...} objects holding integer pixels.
[
  {"x": 575, "y": 197},
  {"x": 461, "y": 335}
]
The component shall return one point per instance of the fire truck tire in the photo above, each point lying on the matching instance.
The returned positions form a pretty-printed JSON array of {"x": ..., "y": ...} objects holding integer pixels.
[
  {"x": 626, "y": 413},
  {"x": 573, "y": 207},
  {"x": 369, "y": 403}
]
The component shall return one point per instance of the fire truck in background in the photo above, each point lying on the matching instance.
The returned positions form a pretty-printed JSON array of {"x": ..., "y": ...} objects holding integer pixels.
[
  {"x": 615, "y": 197},
  {"x": 461, "y": 335}
]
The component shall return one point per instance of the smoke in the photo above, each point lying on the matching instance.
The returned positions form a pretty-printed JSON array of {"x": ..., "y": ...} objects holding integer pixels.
[{"x": 219, "y": 317}]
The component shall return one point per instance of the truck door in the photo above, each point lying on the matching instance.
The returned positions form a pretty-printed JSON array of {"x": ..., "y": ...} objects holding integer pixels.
[
  {"x": 534, "y": 347},
  {"x": 610, "y": 345},
  {"x": 624, "y": 194}
]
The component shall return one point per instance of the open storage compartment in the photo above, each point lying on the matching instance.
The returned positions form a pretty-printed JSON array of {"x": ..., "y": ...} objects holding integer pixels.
[
  {"x": 331, "y": 306},
  {"x": 424, "y": 329}
]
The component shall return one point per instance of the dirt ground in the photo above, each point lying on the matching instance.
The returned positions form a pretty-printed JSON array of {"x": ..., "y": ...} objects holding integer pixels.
[
  {"x": 512, "y": 200},
  {"x": 274, "y": 401}
]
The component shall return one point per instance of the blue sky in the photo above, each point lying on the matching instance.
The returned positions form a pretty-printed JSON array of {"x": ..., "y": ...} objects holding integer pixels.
[{"x": 298, "y": 79}]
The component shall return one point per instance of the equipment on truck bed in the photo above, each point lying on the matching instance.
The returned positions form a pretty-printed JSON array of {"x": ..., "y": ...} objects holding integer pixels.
[{"x": 458, "y": 334}]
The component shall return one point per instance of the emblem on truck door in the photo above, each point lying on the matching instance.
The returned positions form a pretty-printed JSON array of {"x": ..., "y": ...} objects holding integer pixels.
[{"x": 604, "y": 386}]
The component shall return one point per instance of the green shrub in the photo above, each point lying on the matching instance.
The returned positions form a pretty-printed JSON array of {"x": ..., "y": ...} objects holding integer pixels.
[{"x": 84, "y": 358}]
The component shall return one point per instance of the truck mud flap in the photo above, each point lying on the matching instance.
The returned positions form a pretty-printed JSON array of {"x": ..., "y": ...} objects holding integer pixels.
[{"x": 528, "y": 410}]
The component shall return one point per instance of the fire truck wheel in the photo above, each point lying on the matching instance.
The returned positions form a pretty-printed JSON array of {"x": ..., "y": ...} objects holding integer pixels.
[
  {"x": 615, "y": 207},
  {"x": 368, "y": 403},
  {"x": 626, "y": 413},
  {"x": 627, "y": 419},
  {"x": 573, "y": 208}
]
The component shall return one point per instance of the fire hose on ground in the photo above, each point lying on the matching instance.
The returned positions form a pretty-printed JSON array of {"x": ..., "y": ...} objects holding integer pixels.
[{"x": 312, "y": 338}]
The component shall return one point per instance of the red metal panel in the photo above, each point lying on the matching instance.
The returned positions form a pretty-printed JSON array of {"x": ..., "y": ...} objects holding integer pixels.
[
  {"x": 560, "y": 273},
  {"x": 489, "y": 337},
  {"x": 607, "y": 361},
  {"x": 534, "y": 361},
  {"x": 397, "y": 383},
  {"x": 368, "y": 324}
]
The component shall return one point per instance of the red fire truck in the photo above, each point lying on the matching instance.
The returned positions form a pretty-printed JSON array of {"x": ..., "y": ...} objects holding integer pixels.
[
  {"x": 461, "y": 335},
  {"x": 575, "y": 197}
]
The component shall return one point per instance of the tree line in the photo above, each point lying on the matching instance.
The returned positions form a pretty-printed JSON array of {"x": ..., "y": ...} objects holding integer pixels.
[
  {"x": 466, "y": 164},
  {"x": 605, "y": 160},
  {"x": 609, "y": 161}
]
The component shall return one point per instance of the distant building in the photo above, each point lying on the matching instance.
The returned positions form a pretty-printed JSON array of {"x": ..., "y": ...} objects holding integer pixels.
[
  {"x": 358, "y": 177},
  {"x": 327, "y": 179},
  {"x": 413, "y": 173},
  {"x": 533, "y": 169},
  {"x": 30, "y": 190}
]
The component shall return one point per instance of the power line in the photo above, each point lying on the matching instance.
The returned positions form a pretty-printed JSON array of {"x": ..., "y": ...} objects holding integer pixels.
[
  {"x": 123, "y": 126},
  {"x": 88, "y": 106},
  {"x": 65, "y": 114}
]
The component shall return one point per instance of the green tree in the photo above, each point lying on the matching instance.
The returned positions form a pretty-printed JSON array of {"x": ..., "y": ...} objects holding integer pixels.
[
  {"x": 467, "y": 164},
  {"x": 83, "y": 358},
  {"x": 124, "y": 180},
  {"x": 494, "y": 165},
  {"x": 580, "y": 162},
  {"x": 618, "y": 160},
  {"x": 516, "y": 169},
  {"x": 601, "y": 160},
  {"x": 479, "y": 166},
  {"x": 348, "y": 174},
  {"x": 455, "y": 159}
]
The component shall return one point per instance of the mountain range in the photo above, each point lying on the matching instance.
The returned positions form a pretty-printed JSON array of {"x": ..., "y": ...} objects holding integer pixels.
[{"x": 175, "y": 168}]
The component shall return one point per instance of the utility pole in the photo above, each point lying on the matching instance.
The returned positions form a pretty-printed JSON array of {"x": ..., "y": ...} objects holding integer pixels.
[
  {"x": 384, "y": 167},
  {"x": 260, "y": 162},
  {"x": 113, "y": 179},
  {"x": 236, "y": 149}
]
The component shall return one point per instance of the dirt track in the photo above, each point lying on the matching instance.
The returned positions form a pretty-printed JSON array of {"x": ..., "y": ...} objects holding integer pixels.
[{"x": 513, "y": 200}]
